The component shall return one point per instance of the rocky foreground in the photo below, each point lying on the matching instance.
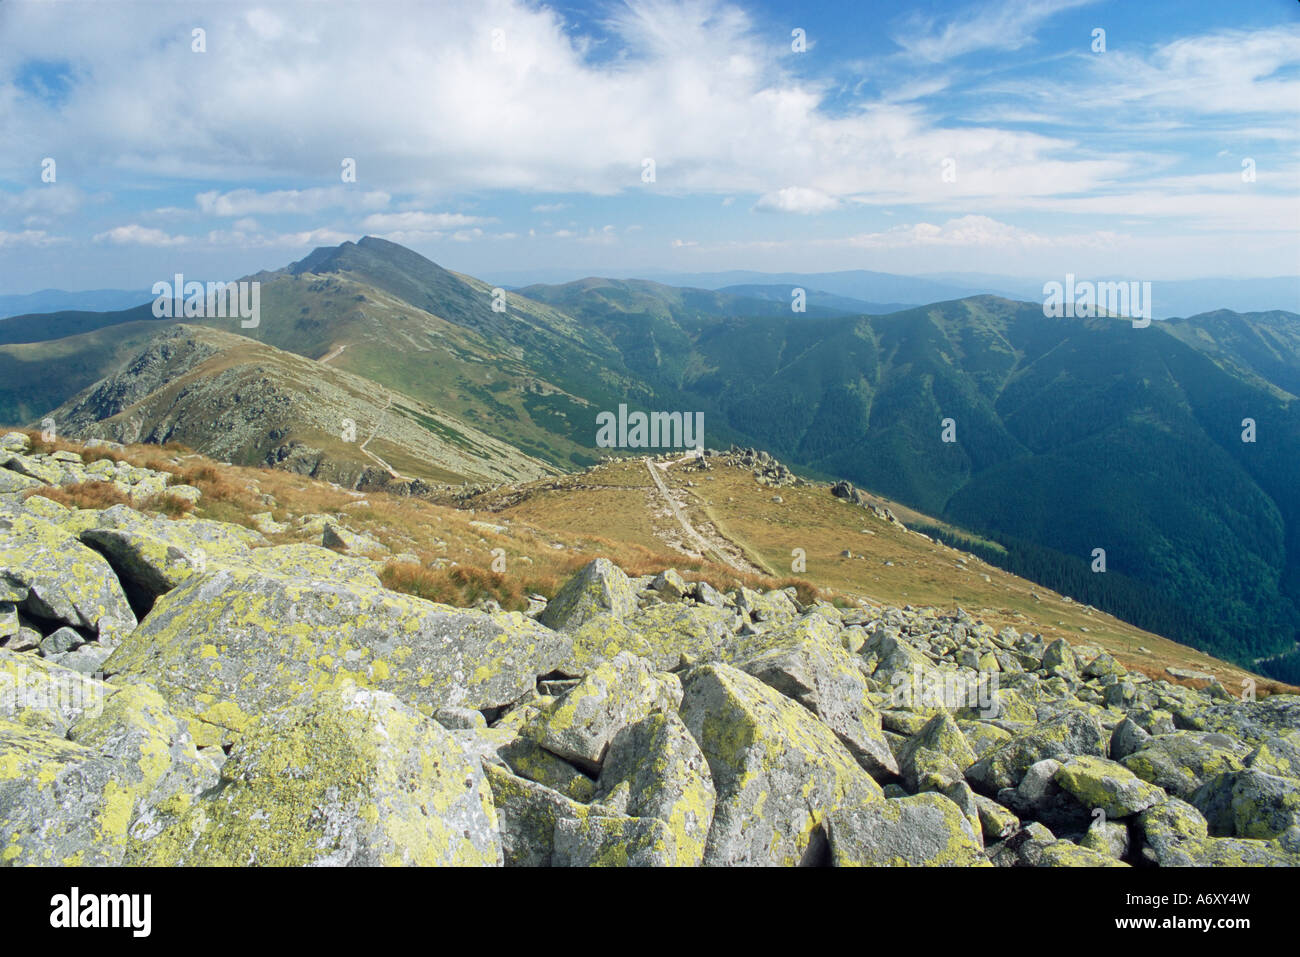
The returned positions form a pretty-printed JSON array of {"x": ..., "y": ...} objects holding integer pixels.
[{"x": 184, "y": 692}]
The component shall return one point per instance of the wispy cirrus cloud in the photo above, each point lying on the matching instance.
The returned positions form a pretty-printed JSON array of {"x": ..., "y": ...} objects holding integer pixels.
[{"x": 1004, "y": 25}]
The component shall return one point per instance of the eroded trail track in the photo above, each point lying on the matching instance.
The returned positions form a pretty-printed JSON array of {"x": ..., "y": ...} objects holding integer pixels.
[
  {"x": 375, "y": 458},
  {"x": 708, "y": 543}
]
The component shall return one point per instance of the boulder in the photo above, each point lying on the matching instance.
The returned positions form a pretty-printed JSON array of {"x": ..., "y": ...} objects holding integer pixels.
[
  {"x": 663, "y": 634},
  {"x": 354, "y": 778},
  {"x": 1184, "y": 760},
  {"x": 61, "y": 803},
  {"x": 50, "y": 575},
  {"x": 1098, "y": 783},
  {"x": 46, "y": 696},
  {"x": 805, "y": 662},
  {"x": 543, "y": 828},
  {"x": 233, "y": 643},
  {"x": 655, "y": 769},
  {"x": 599, "y": 588},
  {"x": 1249, "y": 803},
  {"x": 1277, "y": 754},
  {"x": 615, "y": 694},
  {"x": 777, "y": 770},
  {"x": 927, "y": 830},
  {"x": 1062, "y": 737}
]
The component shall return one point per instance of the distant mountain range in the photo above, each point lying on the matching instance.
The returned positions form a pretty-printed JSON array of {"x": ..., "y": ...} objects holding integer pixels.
[
  {"x": 852, "y": 291},
  {"x": 1069, "y": 435},
  {"x": 1172, "y": 297},
  {"x": 58, "y": 300}
]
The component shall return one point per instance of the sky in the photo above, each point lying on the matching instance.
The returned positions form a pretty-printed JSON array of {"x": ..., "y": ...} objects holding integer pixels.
[{"x": 1150, "y": 140}]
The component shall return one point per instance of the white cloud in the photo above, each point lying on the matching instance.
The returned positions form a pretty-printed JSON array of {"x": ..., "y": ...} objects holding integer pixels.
[
  {"x": 243, "y": 202},
  {"x": 53, "y": 199},
  {"x": 695, "y": 85},
  {"x": 797, "y": 199},
  {"x": 137, "y": 235},
  {"x": 30, "y": 237},
  {"x": 999, "y": 25},
  {"x": 419, "y": 221}
]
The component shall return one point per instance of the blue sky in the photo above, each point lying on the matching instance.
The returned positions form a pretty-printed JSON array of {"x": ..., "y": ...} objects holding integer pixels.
[{"x": 497, "y": 135}]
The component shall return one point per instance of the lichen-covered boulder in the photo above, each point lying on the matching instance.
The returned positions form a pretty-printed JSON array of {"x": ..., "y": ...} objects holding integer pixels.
[
  {"x": 542, "y": 828},
  {"x": 1059, "y": 661},
  {"x": 1249, "y": 803},
  {"x": 601, "y": 587},
  {"x": 136, "y": 728},
  {"x": 1171, "y": 833},
  {"x": 654, "y": 768},
  {"x": 806, "y": 662},
  {"x": 352, "y": 543},
  {"x": 523, "y": 755},
  {"x": 1069, "y": 854},
  {"x": 353, "y": 778},
  {"x": 614, "y": 840},
  {"x": 1277, "y": 754},
  {"x": 44, "y": 695},
  {"x": 926, "y": 830},
  {"x": 301, "y": 560},
  {"x": 936, "y": 756},
  {"x": 663, "y": 634},
  {"x": 777, "y": 770},
  {"x": 237, "y": 642},
  {"x": 1107, "y": 837},
  {"x": 982, "y": 737},
  {"x": 770, "y": 607},
  {"x": 1097, "y": 783},
  {"x": 1175, "y": 834},
  {"x": 1184, "y": 760},
  {"x": 11, "y": 481},
  {"x": 1127, "y": 738},
  {"x": 1064, "y": 736},
  {"x": 1104, "y": 666},
  {"x": 1038, "y": 796},
  {"x": 615, "y": 694},
  {"x": 61, "y": 803},
  {"x": 49, "y": 574},
  {"x": 996, "y": 822},
  {"x": 152, "y": 555}
]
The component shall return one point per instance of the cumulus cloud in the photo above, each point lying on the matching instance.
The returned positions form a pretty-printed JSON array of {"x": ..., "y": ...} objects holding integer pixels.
[
  {"x": 797, "y": 199},
  {"x": 29, "y": 237},
  {"x": 134, "y": 234},
  {"x": 694, "y": 85},
  {"x": 419, "y": 221},
  {"x": 245, "y": 202}
]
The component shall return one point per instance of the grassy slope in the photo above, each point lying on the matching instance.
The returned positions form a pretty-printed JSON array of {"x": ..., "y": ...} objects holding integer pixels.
[{"x": 606, "y": 511}]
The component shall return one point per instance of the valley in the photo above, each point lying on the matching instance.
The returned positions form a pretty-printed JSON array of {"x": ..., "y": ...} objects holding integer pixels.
[{"x": 1072, "y": 434}]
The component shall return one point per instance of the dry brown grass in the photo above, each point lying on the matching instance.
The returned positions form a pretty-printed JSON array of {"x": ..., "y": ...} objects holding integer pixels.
[
  {"x": 82, "y": 495},
  {"x": 210, "y": 481},
  {"x": 592, "y": 519},
  {"x": 466, "y": 585},
  {"x": 170, "y": 505}
]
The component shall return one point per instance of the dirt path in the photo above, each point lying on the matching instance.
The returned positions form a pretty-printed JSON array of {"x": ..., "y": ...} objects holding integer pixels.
[
  {"x": 327, "y": 358},
  {"x": 715, "y": 546},
  {"x": 365, "y": 451}
]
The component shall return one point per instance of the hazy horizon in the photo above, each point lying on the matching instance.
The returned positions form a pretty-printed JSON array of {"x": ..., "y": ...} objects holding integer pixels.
[{"x": 1023, "y": 139}]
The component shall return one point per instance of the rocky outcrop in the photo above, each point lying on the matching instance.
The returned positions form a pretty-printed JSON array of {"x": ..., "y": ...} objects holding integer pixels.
[{"x": 276, "y": 705}]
